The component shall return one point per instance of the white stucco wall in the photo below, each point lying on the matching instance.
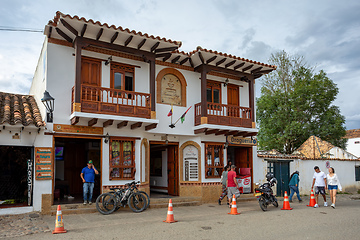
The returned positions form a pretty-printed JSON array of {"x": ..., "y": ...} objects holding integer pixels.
[
  {"x": 344, "y": 169},
  {"x": 353, "y": 146}
]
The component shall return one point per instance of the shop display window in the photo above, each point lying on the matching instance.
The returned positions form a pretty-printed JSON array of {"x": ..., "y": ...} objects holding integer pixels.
[
  {"x": 122, "y": 159},
  {"x": 214, "y": 160}
]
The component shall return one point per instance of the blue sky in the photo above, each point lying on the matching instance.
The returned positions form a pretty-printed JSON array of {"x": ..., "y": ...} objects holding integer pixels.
[{"x": 325, "y": 32}]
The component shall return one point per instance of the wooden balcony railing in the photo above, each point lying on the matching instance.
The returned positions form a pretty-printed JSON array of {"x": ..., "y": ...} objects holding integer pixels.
[
  {"x": 113, "y": 101},
  {"x": 222, "y": 114}
]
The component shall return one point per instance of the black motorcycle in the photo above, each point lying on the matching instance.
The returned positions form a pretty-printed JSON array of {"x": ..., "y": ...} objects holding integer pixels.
[{"x": 264, "y": 193}]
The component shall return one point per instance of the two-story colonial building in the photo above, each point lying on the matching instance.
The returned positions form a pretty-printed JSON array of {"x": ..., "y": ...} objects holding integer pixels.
[{"x": 118, "y": 94}]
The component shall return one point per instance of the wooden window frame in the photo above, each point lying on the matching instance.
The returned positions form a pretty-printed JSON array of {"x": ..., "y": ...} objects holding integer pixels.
[
  {"x": 92, "y": 60},
  {"x": 121, "y": 68},
  {"x": 121, "y": 166},
  {"x": 213, "y": 85},
  {"x": 218, "y": 168}
]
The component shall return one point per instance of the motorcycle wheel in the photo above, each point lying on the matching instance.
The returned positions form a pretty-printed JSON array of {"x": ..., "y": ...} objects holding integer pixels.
[
  {"x": 275, "y": 202},
  {"x": 262, "y": 203}
]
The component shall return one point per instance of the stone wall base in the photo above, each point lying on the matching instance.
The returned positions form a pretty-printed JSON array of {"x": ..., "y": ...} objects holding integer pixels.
[
  {"x": 46, "y": 203},
  {"x": 209, "y": 192}
]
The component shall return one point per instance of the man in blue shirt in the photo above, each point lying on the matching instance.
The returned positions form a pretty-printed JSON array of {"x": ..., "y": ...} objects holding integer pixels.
[{"x": 88, "y": 176}]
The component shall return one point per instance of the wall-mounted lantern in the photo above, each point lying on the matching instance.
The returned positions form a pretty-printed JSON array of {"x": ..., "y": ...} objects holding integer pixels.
[{"x": 48, "y": 101}]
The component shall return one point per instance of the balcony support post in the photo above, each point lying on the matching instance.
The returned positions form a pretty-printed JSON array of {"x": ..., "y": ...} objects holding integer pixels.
[
  {"x": 203, "y": 71},
  {"x": 251, "y": 98},
  {"x": 152, "y": 85}
]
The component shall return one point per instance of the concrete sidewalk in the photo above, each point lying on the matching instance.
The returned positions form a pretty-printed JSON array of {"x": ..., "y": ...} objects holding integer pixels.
[{"x": 194, "y": 218}]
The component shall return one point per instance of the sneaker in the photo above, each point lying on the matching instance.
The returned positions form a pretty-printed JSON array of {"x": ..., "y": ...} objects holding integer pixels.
[
  {"x": 85, "y": 203},
  {"x": 90, "y": 203},
  {"x": 290, "y": 201},
  {"x": 228, "y": 203},
  {"x": 300, "y": 201},
  {"x": 333, "y": 205},
  {"x": 325, "y": 204},
  {"x": 316, "y": 206},
  {"x": 219, "y": 201}
]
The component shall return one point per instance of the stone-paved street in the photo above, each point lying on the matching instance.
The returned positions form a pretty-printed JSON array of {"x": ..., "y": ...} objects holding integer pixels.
[
  {"x": 208, "y": 221},
  {"x": 22, "y": 224}
]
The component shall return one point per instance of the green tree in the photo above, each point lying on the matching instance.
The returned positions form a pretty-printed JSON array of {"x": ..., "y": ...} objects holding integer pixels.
[{"x": 295, "y": 104}]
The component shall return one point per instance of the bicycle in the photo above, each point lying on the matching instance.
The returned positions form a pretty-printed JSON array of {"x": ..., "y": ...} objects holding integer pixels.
[{"x": 109, "y": 202}]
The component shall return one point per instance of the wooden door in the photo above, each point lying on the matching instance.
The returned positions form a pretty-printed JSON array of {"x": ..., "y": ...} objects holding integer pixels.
[
  {"x": 173, "y": 171},
  {"x": 282, "y": 172},
  {"x": 233, "y": 100},
  {"x": 75, "y": 161}
]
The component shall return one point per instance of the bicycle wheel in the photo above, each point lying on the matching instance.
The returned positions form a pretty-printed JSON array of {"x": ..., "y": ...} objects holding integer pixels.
[
  {"x": 262, "y": 203},
  {"x": 147, "y": 198},
  {"x": 106, "y": 203},
  {"x": 137, "y": 202}
]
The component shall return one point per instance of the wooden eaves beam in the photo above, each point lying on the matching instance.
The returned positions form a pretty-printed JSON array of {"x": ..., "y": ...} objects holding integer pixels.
[
  {"x": 154, "y": 46},
  {"x": 66, "y": 37},
  {"x": 69, "y": 27},
  {"x": 184, "y": 60},
  {"x": 128, "y": 40},
  {"x": 163, "y": 55},
  {"x": 168, "y": 49},
  {"x": 83, "y": 30},
  {"x": 150, "y": 126},
  {"x": 230, "y": 63},
  {"x": 122, "y": 124},
  {"x": 107, "y": 123},
  {"x": 141, "y": 43},
  {"x": 212, "y": 131},
  {"x": 201, "y": 57},
  {"x": 136, "y": 125},
  {"x": 247, "y": 68},
  {"x": 220, "y": 62},
  {"x": 175, "y": 59},
  {"x": 114, "y": 37},
  {"x": 256, "y": 70},
  {"x": 50, "y": 30},
  {"x": 99, "y": 34},
  {"x": 92, "y": 122},
  {"x": 239, "y": 65},
  {"x": 211, "y": 59}
]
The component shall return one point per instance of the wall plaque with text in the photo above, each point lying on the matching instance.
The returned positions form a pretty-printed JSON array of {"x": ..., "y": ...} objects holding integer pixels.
[{"x": 44, "y": 163}]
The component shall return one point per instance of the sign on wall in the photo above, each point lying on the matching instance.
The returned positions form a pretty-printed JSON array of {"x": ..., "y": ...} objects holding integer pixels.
[
  {"x": 77, "y": 129},
  {"x": 44, "y": 164},
  {"x": 171, "y": 90},
  {"x": 241, "y": 141},
  {"x": 191, "y": 171}
]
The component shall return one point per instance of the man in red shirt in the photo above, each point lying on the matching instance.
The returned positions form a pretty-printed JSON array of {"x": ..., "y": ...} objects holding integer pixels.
[{"x": 232, "y": 184}]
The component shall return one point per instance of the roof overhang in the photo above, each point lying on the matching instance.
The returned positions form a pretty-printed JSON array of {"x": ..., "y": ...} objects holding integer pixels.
[
  {"x": 209, "y": 129},
  {"x": 106, "y": 120},
  {"x": 66, "y": 27}
]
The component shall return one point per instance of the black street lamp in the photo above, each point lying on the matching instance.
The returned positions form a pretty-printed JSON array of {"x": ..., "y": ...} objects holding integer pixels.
[{"x": 48, "y": 101}]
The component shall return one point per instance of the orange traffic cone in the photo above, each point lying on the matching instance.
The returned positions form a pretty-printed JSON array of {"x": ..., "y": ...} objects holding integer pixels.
[
  {"x": 59, "y": 225},
  {"x": 312, "y": 199},
  {"x": 286, "y": 205},
  {"x": 233, "y": 207},
  {"x": 170, "y": 214}
]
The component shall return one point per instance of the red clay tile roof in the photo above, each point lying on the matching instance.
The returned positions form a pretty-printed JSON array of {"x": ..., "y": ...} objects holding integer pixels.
[
  {"x": 353, "y": 133},
  {"x": 19, "y": 109},
  {"x": 231, "y": 56},
  {"x": 60, "y": 14},
  {"x": 314, "y": 147}
]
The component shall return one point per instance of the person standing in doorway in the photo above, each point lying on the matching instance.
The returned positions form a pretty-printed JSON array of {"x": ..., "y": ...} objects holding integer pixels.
[
  {"x": 319, "y": 181},
  {"x": 294, "y": 186},
  {"x": 223, "y": 183},
  {"x": 88, "y": 177},
  {"x": 333, "y": 185},
  {"x": 232, "y": 186}
]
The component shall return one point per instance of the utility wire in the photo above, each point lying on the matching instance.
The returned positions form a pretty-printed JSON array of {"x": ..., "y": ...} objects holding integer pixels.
[{"x": 13, "y": 29}]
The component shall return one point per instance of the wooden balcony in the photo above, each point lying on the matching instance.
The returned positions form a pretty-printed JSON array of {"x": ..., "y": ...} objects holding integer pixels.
[
  {"x": 222, "y": 114},
  {"x": 113, "y": 101}
]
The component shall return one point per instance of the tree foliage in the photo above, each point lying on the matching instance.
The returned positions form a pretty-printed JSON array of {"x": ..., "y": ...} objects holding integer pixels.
[{"x": 295, "y": 104}]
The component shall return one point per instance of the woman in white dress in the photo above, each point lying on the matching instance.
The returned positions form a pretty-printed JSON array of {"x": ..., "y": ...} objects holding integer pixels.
[{"x": 333, "y": 185}]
